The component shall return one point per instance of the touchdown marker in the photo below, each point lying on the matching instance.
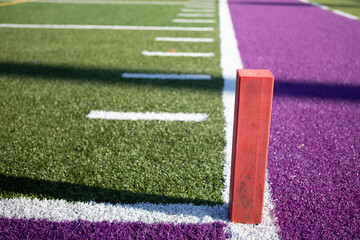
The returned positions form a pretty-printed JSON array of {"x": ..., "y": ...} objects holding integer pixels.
[{"x": 253, "y": 100}]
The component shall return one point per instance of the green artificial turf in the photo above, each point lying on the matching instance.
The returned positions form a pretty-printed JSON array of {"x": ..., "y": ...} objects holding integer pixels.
[
  {"x": 348, "y": 6},
  {"x": 51, "y": 79},
  {"x": 92, "y": 14}
]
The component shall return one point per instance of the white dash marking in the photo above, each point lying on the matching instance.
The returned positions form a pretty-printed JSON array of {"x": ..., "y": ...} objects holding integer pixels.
[
  {"x": 135, "y": 116},
  {"x": 107, "y": 27},
  {"x": 174, "y": 39},
  {"x": 197, "y": 10},
  {"x": 177, "y": 54},
  {"x": 347, "y": 15},
  {"x": 193, "y": 21},
  {"x": 196, "y": 15},
  {"x": 166, "y": 76}
]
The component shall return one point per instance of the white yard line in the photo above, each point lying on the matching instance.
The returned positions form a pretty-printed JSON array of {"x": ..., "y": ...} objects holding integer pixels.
[
  {"x": 197, "y": 10},
  {"x": 177, "y": 54},
  {"x": 166, "y": 76},
  {"x": 148, "y": 116},
  {"x": 112, "y": 2},
  {"x": 230, "y": 61},
  {"x": 61, "y": 210},
  {"x": 196, "y": 15},
  {"x": 338, "y": 12},
  {"x": 193, "y": 21},
  {"x": 107, "y": 27},
  {"x": 178, "y": 39}
]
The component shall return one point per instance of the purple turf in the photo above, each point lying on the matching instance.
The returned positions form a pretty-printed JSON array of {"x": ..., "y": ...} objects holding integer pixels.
[
  {"x": 314, "y": 151},
  {"x": 43, "y": 229}
]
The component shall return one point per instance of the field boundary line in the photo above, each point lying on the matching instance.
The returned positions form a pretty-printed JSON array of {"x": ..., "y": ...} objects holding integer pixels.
[
  {"x": 337, "y": 12},
  {"x": 147, "y": 116},
  {"x": 230, "y": 61},
  {"x": 344, "y": 14},
  {"x": 106, "y": 27}
]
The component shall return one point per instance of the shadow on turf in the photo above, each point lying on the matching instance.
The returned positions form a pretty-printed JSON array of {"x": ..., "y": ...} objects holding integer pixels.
[
  {"x": 316, "y": 90},
  {"x": 97, "y": 75},
  {"x": 283, "y": 87},
  {"x": 76, "y": 192}
]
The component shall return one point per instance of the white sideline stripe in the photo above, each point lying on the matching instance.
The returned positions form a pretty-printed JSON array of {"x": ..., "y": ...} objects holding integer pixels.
[
  {"x": 166, "y": 76},
  {"x": 197, "y": 10},
  {"x": 177, "y": 54},
  {"x": 174, "y": 39},
  {"x": 338, "y": 12},
  {"x": 320, "y": 6},
  {"x": 196, "y": 15},
  {"x": 107, "y": 27},
  {"x": 230, "y": 61},
  {"x": 112, "y": 2},
  {"x": 135, "y": 116},
  {"x": 347, "y": 15},
  {"x": 193, "y": 20}
]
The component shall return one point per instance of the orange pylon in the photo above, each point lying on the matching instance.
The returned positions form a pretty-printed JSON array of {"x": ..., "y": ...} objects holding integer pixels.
[{"x": 253, "y": 100}]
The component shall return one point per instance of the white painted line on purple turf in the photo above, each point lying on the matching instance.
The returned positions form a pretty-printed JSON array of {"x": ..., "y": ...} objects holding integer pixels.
[
  {"x": 197, "y": 10},
  {"x": 320, "y": 6},
  {"x": 177, "y": 54},
  {"x": 196, "y": 15},
  {"x": 107, "y": 27},
  {"x": 166, "y": 76},
  {"x": 193, "y": 21},
  {"x": 176, "y": 39},
  {"x": 147, "y": 116},
  {"x": 230, "y": 61},
  {"x": 347, "y": 15},
  {"x": 338, "y": 12}
]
